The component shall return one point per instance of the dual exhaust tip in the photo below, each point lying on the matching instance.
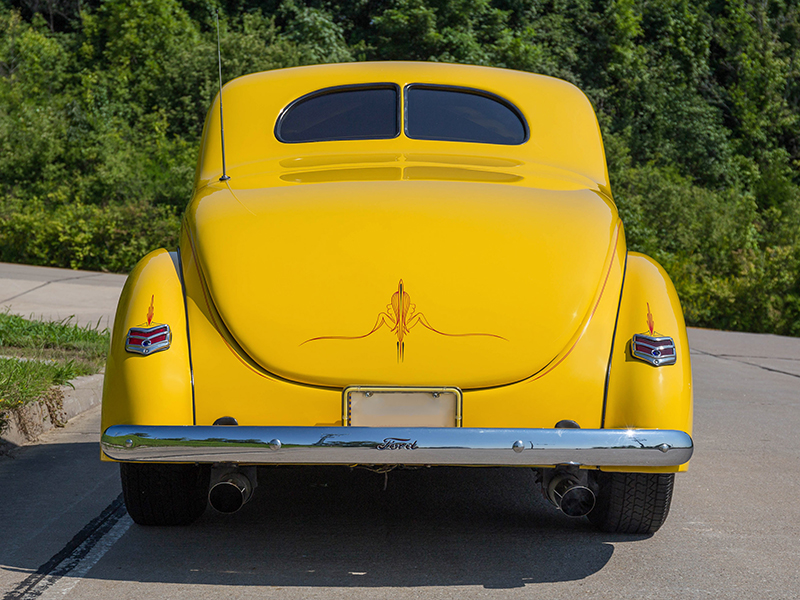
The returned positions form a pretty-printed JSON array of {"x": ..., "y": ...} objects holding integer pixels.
[
  {"x": 231, "y": 492},
  {"x": 233, "y": 489},
  {"x": 570, "y": 496}
]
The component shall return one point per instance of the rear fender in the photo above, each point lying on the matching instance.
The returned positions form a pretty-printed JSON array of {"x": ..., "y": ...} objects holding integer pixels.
[
  {"x": 641, "y": 395},
  {"x": 153, "y": 389}
]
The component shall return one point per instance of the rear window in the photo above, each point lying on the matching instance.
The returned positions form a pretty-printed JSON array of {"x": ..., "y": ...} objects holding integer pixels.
[
  {"x": 344, "y": 113},
  {"x": 462, "y": 115}
]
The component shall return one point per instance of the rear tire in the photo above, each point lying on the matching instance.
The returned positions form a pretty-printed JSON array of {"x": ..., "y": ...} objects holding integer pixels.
[
  {"x": 165, "y": 494},
  {"x": 632, "y": 502}
]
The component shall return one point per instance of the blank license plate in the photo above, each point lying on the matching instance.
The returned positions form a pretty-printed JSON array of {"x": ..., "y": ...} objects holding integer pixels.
[{"x": 402, "y": 407}]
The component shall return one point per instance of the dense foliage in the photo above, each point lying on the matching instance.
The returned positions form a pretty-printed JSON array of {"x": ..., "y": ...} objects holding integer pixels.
[{"x": 102, "y": 104}]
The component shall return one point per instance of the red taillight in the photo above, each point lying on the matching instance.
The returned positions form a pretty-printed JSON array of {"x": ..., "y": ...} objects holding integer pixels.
[
  {"x": 658, "y": 351},
  {"x": 147, "y": 340}
]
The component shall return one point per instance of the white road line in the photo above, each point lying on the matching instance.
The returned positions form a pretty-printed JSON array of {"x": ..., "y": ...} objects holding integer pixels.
[
  {"x": 57, "y": 577},
  {"x": 64, "y": 585}
]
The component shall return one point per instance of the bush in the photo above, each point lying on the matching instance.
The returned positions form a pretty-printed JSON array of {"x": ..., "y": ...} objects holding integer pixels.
[
  {"x": 724, "y": 255},
  {"x": 102, "y": 106},
  {"x": 77, "y": 236}
]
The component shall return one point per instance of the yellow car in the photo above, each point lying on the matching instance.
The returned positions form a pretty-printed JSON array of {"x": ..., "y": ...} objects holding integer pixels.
[{"x": 397, "y": 264}]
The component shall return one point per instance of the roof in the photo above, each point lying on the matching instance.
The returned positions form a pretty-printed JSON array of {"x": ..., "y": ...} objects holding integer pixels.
[{"x": 564, "y": 137}]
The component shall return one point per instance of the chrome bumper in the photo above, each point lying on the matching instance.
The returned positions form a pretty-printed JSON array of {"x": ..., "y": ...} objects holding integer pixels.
[{"x": 407, "y": 446}]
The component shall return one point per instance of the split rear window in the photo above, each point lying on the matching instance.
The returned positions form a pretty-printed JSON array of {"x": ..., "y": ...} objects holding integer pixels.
[
  {"x": 458, "y": 115},
  {"x": 352, "y": 113},
  {"x": 372, "y": 111}
]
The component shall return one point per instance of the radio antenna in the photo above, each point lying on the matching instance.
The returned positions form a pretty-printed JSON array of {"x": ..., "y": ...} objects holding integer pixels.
[{"x": 221, "y": 127}]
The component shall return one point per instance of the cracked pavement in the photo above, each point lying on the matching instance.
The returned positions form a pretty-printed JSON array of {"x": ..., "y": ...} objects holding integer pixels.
[{"x": 773, "y": 353}]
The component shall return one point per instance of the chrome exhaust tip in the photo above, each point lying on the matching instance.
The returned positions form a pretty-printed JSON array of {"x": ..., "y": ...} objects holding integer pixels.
[
  {"x": 570, "y": 496},
  {"x": 230, "y": 493}
]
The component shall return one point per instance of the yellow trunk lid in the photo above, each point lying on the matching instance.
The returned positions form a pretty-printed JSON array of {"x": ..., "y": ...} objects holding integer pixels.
[{"x": 403, "y": 282}]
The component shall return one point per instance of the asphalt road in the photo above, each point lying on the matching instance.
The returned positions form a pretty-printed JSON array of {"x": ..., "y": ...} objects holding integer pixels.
[{"x": 733, "y": 531}]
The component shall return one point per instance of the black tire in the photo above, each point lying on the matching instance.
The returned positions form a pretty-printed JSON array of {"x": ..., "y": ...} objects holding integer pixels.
[
  {"x": 165, "y": 494},
  {"x": 631, "y": 502}
]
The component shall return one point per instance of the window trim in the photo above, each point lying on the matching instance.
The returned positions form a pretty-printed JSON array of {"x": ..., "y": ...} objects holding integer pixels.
[
  {"x": 337, "y": 89},
  {"x": 464, "y": 90}
]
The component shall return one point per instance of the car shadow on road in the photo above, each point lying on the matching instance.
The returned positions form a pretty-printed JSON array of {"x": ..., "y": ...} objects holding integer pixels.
[{"x": 336, "y": 527}]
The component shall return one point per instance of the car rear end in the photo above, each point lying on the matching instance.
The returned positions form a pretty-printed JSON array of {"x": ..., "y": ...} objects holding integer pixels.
[{"x": 401, "y": 302}]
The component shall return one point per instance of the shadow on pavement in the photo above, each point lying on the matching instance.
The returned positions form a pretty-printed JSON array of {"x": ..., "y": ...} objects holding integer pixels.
[{"x": 333, "y": 527}]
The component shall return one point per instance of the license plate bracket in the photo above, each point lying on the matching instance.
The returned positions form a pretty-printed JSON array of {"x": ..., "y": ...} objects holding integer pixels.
[{"x": 385, "y": 406}]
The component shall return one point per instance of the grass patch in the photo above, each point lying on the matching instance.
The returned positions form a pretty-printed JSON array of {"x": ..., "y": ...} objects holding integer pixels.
[
  {"x": 59, "y": 341},
  {"x": 24, "y": 380},
  {"x": 37, "y": 355}
]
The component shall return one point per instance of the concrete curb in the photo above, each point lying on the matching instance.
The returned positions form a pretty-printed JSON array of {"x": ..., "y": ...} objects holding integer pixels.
[{"x": 27, "y": 424}]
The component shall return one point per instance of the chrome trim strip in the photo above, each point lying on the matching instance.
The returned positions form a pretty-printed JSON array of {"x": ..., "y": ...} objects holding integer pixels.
[
  {"x": 182, "y": 279},
  {"x": 408, "y": 446},
  {"x": 613, "y": 339}
]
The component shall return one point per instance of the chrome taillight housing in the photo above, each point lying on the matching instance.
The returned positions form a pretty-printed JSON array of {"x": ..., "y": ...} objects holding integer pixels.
[
  {"x": 147, "y": 340},
  {"x": 658, "y": 351}
]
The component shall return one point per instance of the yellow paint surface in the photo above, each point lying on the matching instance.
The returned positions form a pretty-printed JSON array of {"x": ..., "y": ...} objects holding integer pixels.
[{"x": 495, "y": 269}]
